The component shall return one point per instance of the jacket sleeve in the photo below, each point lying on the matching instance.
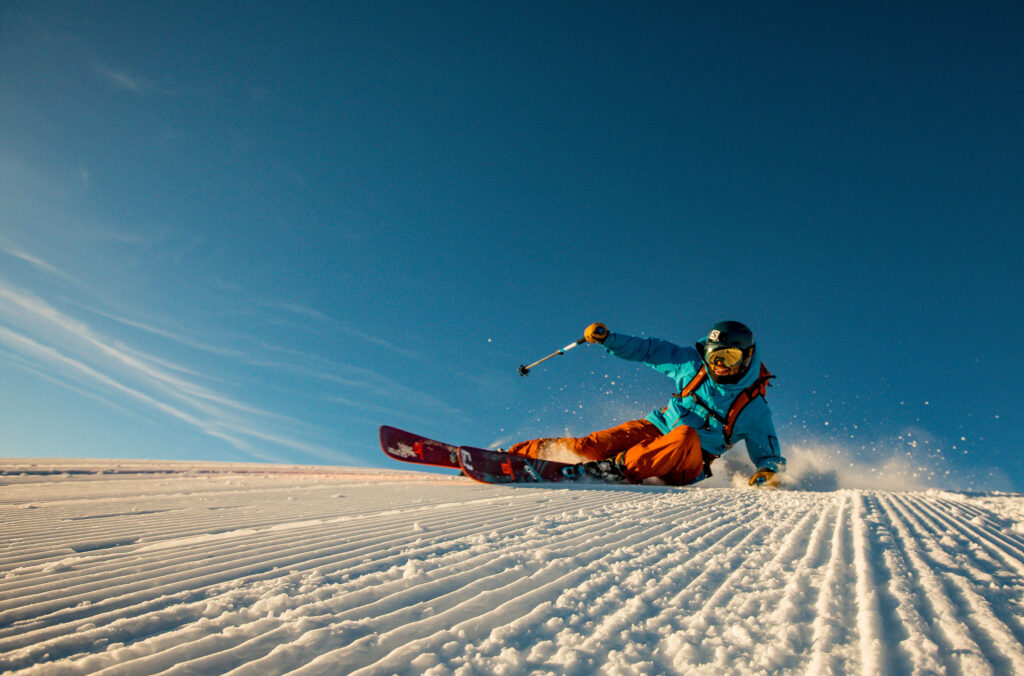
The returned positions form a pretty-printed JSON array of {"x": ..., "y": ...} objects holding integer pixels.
[
  {"x": 659, "y": 354},
  {"x": 763, "y": 444}
]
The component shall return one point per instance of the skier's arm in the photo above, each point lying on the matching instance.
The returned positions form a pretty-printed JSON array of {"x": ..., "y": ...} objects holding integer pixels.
[
  {"x": 652, "y": 351},
  {"x": 763, "y": 445}
]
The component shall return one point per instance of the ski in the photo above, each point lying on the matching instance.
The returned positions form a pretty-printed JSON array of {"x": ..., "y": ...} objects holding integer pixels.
[
  {"x": 480, "y": 464},
  {"x": 491, "y": 467},
  {"x": 408, "y": 447}
]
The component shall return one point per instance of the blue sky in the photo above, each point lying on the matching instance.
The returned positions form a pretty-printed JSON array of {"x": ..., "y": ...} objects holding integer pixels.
[{"x": 257, "y": 231}]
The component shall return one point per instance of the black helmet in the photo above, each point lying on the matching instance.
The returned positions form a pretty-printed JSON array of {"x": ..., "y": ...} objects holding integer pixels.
[{"x": 725, "y": 335}]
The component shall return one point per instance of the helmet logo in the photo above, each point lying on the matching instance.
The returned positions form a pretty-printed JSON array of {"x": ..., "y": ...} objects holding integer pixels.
[{"x": 713, "y": 336}]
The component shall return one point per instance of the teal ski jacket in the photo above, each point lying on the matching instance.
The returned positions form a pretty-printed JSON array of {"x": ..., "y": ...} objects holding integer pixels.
[{"x": 754, "y": 425}]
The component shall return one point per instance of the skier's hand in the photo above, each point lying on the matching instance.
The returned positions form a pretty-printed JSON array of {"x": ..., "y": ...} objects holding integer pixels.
[
  {"x": 595, "y": 333},
  {"x": 764, "y": 478}
]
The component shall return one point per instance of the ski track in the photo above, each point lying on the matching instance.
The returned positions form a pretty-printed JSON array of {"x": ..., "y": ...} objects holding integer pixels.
[{"x": 171, "y": 568}]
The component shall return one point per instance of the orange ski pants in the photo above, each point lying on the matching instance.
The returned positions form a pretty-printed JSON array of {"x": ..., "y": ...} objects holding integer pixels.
[{"x": 638, "y": 446}]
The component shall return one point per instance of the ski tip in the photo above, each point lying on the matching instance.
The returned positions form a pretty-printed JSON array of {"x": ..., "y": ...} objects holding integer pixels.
[{"x": 384, "y": 434}]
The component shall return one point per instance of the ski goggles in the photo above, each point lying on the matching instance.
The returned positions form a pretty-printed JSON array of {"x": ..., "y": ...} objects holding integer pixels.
[{"x": 727, "y": 357}]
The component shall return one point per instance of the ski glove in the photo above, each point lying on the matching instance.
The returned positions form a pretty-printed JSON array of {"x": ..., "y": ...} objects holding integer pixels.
[
  {"x": 595, "y": 333},
  {"x": 764, "y": 478}
]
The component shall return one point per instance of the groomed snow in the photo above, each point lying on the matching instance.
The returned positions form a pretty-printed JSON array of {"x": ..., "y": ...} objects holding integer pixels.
[{"x": 172, "y": 568}]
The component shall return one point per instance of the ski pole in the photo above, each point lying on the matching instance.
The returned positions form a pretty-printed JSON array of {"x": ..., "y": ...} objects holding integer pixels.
[{"x": 525, "y": 370}]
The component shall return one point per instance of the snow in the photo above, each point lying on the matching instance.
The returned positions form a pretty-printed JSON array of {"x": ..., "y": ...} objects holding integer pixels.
[{"x": 190, "y": 568}]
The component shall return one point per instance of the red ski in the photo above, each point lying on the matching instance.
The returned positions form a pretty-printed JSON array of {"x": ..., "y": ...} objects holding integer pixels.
[
  {"x": 486, "y": 466},
  {"x": 408, "y": 447}
]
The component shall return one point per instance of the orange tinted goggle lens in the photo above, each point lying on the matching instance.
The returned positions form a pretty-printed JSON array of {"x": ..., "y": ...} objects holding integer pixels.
[{"x": 726, "y": 356}]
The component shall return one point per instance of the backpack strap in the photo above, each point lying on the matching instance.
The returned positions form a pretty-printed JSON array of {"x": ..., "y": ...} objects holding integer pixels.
[
  {"x": 694, "y": 383},
  {"x": 757, "y": 389}
]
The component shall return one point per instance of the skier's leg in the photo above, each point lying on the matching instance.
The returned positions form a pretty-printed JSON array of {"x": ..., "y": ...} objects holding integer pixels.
[
  {"x": 539, "y": 448},
  {"x": 598, "y": 445},
  {"x": 605, "y": 444},
  {"x": 675, "y": 457}
]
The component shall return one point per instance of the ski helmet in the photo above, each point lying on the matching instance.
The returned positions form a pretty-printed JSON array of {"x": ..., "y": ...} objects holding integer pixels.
[{"x": 729, "y": 343}]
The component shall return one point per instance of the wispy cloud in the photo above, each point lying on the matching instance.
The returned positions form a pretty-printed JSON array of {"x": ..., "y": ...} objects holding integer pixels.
[
  {"x": 30, "y": 366},
  {"x": 74, "y": 349},
  {"x": 77, "y": 370},
  {"x": 120, "y": 78},
  {"x": 11, "y": 249},
  {"x": 364, "y": 380},
  {"x": 69, "y": 349},
  {"x": 52, "y": 211},
  {"x": 310, "y": 313},
  {"x": 169, "y": 335}
]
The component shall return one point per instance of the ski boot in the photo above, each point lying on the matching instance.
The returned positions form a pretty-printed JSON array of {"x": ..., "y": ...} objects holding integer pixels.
[{"x": 600, "y": 471}]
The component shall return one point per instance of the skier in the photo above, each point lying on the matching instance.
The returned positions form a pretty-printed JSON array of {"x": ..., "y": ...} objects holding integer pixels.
[{"x": 720, "y": 401}]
